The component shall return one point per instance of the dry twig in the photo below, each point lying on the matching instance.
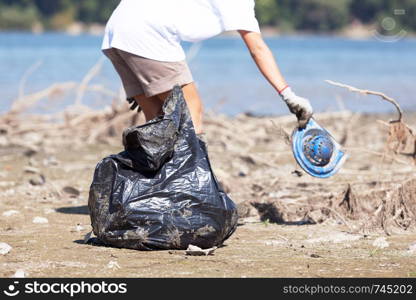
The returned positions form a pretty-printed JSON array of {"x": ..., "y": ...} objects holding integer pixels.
[
  {"x": 400, "y": 134},
  {"x": 368, "y": 92}
]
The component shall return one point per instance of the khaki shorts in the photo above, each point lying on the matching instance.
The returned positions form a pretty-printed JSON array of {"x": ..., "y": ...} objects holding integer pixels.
[{"x": 150, "y": 77}]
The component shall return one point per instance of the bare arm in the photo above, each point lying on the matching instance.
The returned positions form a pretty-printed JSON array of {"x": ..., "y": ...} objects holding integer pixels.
[
  {"x": 264, "y": 59},
  {"x": 267, "y": 65}
]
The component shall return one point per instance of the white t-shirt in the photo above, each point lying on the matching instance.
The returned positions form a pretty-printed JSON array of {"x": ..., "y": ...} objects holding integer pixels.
[{"x": 155, "y": 28}]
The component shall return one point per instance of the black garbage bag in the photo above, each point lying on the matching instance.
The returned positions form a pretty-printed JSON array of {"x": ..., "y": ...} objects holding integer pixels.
[{"x": 160, "y": 193}]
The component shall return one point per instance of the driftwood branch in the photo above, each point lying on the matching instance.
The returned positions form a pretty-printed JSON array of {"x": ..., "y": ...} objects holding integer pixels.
[
  {"x": 28, "y": 72},
  {"x": 86, "y": 80},
  {"x": 28, "y": 101},
  {"x": 368, "y": 92}
]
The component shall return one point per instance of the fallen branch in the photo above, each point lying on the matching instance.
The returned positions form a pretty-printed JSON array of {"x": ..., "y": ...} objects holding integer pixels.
[
  {"x": 368, "y": 92},
  {"x": 400, "y": 134},
  {"x": 87, "y": 78},
  {"x": 28, "y": 72},
  {"x": 28, "y": 101}
]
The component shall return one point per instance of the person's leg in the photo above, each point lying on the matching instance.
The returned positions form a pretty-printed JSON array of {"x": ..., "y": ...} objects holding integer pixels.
[
  {"x": 193, "y": 102},
  {"x": 151, "y": 106},
  {"x": 195, "y": 106}
]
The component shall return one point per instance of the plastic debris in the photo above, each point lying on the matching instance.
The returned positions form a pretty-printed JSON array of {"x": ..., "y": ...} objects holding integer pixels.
[{"x": 196, "y": 251}]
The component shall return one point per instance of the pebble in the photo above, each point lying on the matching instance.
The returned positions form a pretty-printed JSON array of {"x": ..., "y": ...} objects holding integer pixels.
[
  {"x": 49, "y": 211},
  {"x": 412, "y": 248},
  {"x": 78, "y": 228},
  {"x": 275, "y": 243},
  {"x": 50, "y": 161},
  {"x": 19, "y": 274},
  {"x": 381, "y": 243},
  {"x": 31, "y": 170},
  {"x": 113, "y": 265},
  {"x": 40, "y": 220},
  {"x": 5, "y": 248},
  {"x": 38, "y": 180},
  {"x": 10, "y": 213},
  {"x": 71, "y": 191},
  {"x": 196, "y": 251},
  {"x": 87, "y": 237}
]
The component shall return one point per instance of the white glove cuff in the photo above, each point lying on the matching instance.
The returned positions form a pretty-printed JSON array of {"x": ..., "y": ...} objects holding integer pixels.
[{"x": 287, "y": 94}]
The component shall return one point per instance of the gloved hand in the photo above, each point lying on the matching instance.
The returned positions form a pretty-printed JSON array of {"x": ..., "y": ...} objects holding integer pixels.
[{"x": 299, "y": 106}]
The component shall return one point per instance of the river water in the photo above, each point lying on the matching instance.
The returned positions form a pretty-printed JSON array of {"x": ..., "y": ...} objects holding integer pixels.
[{"x": 228, "y": 80}]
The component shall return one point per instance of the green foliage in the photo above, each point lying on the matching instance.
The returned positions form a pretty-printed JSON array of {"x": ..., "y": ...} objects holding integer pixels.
[
  {"x": 408, "y": 20},
  {"x": 321, "y": 15},
  {"x": 332, "y": 15},
  {"x": 16, "y": 17},
  {"x": 92, "y": 11},
  {"x": 267, "y": 12},
  {"x": 307, "y": 15}
]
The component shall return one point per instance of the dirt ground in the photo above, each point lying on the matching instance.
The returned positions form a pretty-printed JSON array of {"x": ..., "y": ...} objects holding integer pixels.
[{"x": 360, "y": 223}]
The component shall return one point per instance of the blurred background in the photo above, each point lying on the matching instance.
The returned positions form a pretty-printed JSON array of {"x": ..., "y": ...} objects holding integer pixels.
[{"x": 369, "y": 44}]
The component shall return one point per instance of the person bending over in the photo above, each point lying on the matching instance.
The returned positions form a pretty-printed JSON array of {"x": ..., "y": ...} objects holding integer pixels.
[{"x": 142, "y": 40}]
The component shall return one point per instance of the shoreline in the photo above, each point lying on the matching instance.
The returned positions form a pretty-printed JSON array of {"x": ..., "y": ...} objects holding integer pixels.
[{"x": 366, "y": 34}]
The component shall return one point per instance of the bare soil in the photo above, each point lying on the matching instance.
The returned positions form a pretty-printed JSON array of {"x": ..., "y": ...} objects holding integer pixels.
[{"x": 291, "y": 225}]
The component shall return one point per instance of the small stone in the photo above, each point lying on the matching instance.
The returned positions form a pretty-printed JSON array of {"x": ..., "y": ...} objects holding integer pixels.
[
  {"x": 38, "y": 180},
  {"x": 48, "y": 211},
  {"x": 31, "y": 151},
  {"x": 33, "y": 162},
  {"x": 31, "y": 170},
  {"x": 19, "y": 274},
  {"x": 274, "y": 243},
  {"x": 381, "y": 243},
  {"x": 71, "y": 191},
  {"x": 50, "y": 161},
  {"x": 40, "y": 220},
  {"x": 5, "y": 248},
  {"x": 113, "y": 265},
  {"x": 6, "y": 183},
  {"x": 10, "y": 213},
  {"x": 78, "y": 228},
  {"x": 313, "y": 255}
]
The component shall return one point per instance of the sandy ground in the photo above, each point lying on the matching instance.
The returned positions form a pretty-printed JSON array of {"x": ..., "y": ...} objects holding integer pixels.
[{"x": 291, "y": 225}]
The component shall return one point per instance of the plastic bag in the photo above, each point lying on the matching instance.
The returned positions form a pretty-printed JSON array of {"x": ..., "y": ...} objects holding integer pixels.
[{"x": 160, "y": 193}]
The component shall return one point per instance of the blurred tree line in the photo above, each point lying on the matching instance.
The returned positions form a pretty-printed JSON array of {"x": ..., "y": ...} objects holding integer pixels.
[
  {"x": 53, "y": 14},
  {"x": 309, "y": 15},
  {"x": 333, "y": 15}
]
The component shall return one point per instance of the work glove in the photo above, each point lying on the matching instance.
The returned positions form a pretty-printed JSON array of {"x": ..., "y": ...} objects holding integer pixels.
[{"x": 299, "y": 106}]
